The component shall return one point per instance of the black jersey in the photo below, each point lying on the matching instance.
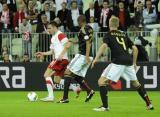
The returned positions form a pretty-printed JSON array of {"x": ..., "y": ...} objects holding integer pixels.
[
  {"x": 85, "y": 34},
  {"x": 119, "y": 44}
]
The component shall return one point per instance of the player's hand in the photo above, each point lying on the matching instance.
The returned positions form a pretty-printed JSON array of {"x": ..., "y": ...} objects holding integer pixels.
[
  {"x": 39, "y": 54},
  {"x": 93, "y": 63},
  {"x": 88, "y": 60}
]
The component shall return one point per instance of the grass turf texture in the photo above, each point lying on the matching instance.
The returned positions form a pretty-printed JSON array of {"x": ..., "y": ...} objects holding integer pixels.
[{"x": 122, "y": 104}]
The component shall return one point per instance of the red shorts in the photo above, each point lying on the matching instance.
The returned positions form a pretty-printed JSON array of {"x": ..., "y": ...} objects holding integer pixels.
[{"x": 58, "y": 66}]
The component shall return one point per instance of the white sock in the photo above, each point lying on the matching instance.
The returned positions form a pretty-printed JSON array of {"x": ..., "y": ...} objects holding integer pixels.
[
  {"x": 74, "y": 88},
  {"x": 50, "y": 85}
]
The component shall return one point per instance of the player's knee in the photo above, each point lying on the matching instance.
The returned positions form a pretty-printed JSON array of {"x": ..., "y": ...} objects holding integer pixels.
[
  {"x": 67, "y": 73},
  {"x": 135, "y": 83},
  {"x": 46, "y": 75},
  {"x": 57, "y": 79},
  {"x": 103, "y": 81}
]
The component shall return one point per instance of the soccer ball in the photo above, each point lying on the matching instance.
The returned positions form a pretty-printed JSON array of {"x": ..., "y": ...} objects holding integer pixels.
[{"x": 32, "y": 96}]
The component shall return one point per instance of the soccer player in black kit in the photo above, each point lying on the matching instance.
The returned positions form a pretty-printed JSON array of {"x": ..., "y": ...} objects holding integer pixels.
[
  {"x": 123, "y": 64},
  {"x": 79, "y": 65}
]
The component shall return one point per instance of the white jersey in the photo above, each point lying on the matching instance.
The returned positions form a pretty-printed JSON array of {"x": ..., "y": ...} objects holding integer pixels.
[{"x": 58, "y": 42}]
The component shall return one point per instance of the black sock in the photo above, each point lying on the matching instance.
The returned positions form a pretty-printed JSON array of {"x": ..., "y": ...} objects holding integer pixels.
[
  {"x": 142, "y": 92},
  {"x": 104, "y": 97},
  {"x": 67, "y": 81},
  {"x": 83, "y": 83}
]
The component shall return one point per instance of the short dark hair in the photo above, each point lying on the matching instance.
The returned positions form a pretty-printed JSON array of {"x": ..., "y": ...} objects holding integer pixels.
[
  {"x": 47, "y": 3},
  {"x": 106, "y": 1},
  {"x": 64, "y": 3},
  {"x": 73, "y": 2},
  {"x": 120, "y": 1},
  {"x": 53, "y": 23},
  {"x": 26, "y": 54},
  {"x": 81, "y": 18}
]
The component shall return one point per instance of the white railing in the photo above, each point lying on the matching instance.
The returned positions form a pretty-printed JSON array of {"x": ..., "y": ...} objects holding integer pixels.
[{"x": 41, "y": 42}]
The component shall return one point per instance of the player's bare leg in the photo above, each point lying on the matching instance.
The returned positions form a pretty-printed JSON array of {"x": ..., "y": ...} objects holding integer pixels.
[
  {"x": 103, "y": 82},
  {"x": 49, "y": 85},
  {"x": 142, "y": 92}
]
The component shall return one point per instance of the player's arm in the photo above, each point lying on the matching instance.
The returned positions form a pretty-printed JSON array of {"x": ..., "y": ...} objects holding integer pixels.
[
  {"x": 44, "y": 53},
  {"x": 135, "y": 54},
  {"x": 88, "y": 49},
  {"x": 88, "y": 37},
  {"x": 66, "y": 47},
  {"x": 73, "y": 41},
  {"x": 99, "y": 53},
  {"x": 134, "y": 51},
  {"x": 48, "y": 53}
]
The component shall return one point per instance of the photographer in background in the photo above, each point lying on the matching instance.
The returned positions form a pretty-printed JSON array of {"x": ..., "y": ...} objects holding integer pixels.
[{"x": 140, "y": 43}]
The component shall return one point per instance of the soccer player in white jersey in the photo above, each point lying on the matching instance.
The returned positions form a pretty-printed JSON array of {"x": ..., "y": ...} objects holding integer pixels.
[{"x": 57, "y": 67}]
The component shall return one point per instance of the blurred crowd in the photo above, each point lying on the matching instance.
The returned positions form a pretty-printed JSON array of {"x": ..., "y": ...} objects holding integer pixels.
[{"x": 33, "y": 16}]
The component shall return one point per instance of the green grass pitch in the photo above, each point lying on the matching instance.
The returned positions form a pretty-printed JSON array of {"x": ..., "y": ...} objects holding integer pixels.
[{"x": 122, "y": 104}]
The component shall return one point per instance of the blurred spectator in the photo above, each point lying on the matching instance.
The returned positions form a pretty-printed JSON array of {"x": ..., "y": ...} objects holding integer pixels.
[
  {"x": 62, "y": 14},
  {"x": 6, "y": 58},
  {"x": 99, "y": 2},
  {"x": 72, "y": 17},
  {"x": 44, "y": 40},
  {"x": 149, "y": 14},
  {"x": 123, "y": 15},
  {"x": 42, "y": 26},
  {"x": 114, "y": 3},
  {"x": 96, "y": 6},
  {"x": 4, "y": 50},
  {"x": 91, "y": 12},
  {"x": 58, "y": 5},
  {"x": 12, "y": 5},
  {"x": 32, "y": 14},
  {"x": 18, "y": 18},
  {"x": 79, "y": 3},
  {"x": 50, "y": 14},
  {"x": 39, "y": 5},
  {"x": 105, "y": 15},
  {"x": 138, "y": 19},
  {"x": 94, "y": 24},
  {"x": 25, "y": 29},
  {"x": 52, "y": 5},
  {"x": 137, "y": 2},
  {"x": 5, "y": 54},
  {"x": 26, "y": 58},
  {"x": 6, "y": 18}
]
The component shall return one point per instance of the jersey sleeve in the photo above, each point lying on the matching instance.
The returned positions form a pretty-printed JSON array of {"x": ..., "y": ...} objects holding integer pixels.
[
  {"x": 88, "y": 33},
  {"x": 62, "y": 38}
]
